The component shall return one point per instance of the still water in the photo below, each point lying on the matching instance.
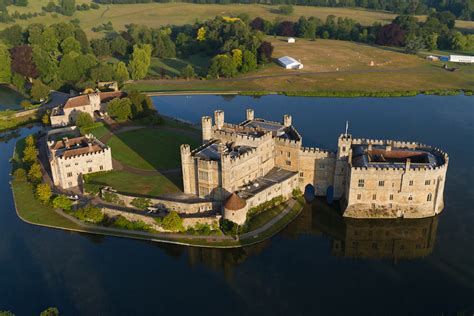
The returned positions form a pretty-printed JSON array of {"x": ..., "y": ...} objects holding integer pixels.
[
  {"x": 320, "y": 264},
  {"x": 9, "y": 99}
]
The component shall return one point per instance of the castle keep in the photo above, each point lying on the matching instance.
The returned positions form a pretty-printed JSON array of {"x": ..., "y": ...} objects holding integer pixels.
[{"x": 250, "y": 163}]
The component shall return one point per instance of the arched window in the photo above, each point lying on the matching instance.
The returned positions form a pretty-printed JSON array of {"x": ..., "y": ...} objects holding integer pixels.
[{"x": 428, "y": 198}]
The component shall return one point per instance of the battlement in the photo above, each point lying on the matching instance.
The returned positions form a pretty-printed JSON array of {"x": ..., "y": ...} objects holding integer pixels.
[
  {"x": 74, "y": 156},
  {"x": 240, "y": 158},
  {"x": 314, "y": 150},
  {"x": 288, "y": 142}
]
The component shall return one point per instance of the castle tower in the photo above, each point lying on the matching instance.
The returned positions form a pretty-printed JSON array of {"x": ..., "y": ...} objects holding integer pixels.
[
  {"x": 206, "y": 123},
  {"x": 287, "y": 120},
  {"x": 344, "y": 153},
  {"x": 250, "y": 114},
  {"x": 187, "y": 169},
  {"x": 219, "y": 119}
]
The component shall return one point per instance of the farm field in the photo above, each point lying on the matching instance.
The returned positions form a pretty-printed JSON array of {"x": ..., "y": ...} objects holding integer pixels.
[
  {"x": 332, "y": 65},
  {"x": 159, "y": 14}
]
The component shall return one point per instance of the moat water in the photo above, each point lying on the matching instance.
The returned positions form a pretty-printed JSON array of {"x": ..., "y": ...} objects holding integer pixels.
[
  {"x": 320, "y": 264},
  {"x": 9, "y": 99}
]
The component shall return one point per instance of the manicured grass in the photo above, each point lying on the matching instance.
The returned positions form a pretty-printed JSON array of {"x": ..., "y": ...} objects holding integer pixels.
[
  {"x": 150, "y": 148},
  {"x": 160, "y": 14},
  {"x": 9, "y": 122},
  {"x": 173, "y": 66},
  {"x": 31, "y": 210},
  {"x": 98, "y": 130},
  {"x": 126, "y": 182},
  {"x": 262, "y": 218}
]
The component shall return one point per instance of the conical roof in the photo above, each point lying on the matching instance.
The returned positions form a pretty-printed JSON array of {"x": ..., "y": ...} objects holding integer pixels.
[{"x": 235, "y": 203}]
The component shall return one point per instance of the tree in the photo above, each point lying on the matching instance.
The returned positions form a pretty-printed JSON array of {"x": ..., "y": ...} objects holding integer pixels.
[
  {"x": 19, "y": 82},
  {"x": 50, "y": 311},
  {"x": 121, "y": 72},
  {"x": 21, "y": 3},
  {"x": 140, "y": 61},
  {"x": 286, "y": 28},
  {"x": 45, "y": 119},
  {"x": 90, "y": 214},
  {"x": 81, "y": 37},
  {"x": 458, "y": 41},
  {"x": 188, "y": 72},
  {"x": 68, "y": 68},
  {"x": 101, "y": 47},
  {"x": 265, "y": 52},
  {"x": 30, "y": 154},
  {"x": 5, "y": 64},
  {"x": 84, "y": 119},
  {"x": 432, "y": 41},
  {"x": 39, "y": 91},
  {"x": 413, "y": 44},
  {"x": 222, "y": 65},
  {"x": 390, "y": 35},
  {"x": 102, "y": 72},
  {"x": 119, "y": 46},
  {"x": 49, "y": 40},
  {"x": 62, "y": 202},
  {"x": 43, "y": 193},
  {"x": 201, "y": 34},
  {"x": 286, "y": 9},
  {"x": 257, "y": 24},
  {"x": 141, "y": 203},
  {"x": 141, "y": 104},
  {"x": 67, "y": 7},
  {"x": 120, "y": 109},
  {"x": 34, "y": 174},
  {"x": 237, "y": 57},
  {"x": 70, "y": 44},
  {"x": 46, "y": 65},
  {"x": 249, "y": 61},
  {"x": 6, "y": 313},
  {"x": 19, "y": 174},
  {"x": 172, "y": 222},
  {"x": 12, "y": 35},
  {"x": 22, "y": 61}
]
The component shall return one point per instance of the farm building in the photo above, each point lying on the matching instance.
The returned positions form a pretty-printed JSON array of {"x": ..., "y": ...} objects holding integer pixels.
[
  {"x": 290, "y": 63},
  {"x": 291, "y": 40},
  {"x": 461, "y": 59}
]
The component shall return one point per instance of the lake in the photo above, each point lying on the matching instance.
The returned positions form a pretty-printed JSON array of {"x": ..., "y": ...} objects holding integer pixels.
[
  {"x": 402, "y": 267},
  {"x": 9, "y": 99}
]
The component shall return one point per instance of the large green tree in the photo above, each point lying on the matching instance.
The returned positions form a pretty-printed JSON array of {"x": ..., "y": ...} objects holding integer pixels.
[
  {"x": 121, "y": 72},
  {"x": 46, "y": 64},
  {"x": 39, "y": 91},
  {"x": 140, "y": 61},
  {"x": 70, "y": 44},
  {"x": 84, "y": 119},
  {"x": 120, "y": 109},
  {"x": 68, "y": 68},
  {"x": 5, "y": 64},
  {"x": 68, "y": 7}
]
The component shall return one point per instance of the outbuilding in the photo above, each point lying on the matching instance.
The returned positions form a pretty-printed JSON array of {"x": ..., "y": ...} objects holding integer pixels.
[
  {"x": 291, "y": 40},
  {"x": 290, "y": 63},
  {"x": 461, "y": 59}
]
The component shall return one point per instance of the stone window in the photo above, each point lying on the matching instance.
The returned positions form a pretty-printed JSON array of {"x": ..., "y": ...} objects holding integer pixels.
[
  {"x": 203, "y": 175},
  {"x": 359, "y": 196},
  {"x": 90, "y": 169},
  {"x": 429, "y": 197},
  {"x": 301, "y": 174},
  {"x": 343, "y": 148},
  {"x": 374, "y": 245},
  {"x": 288, "y": 154},
  {"x": 361, "y": 183},
  {"x": 68, "y": 165},
  {"x": 89, "y": 161},
  {"x": 69, "y": 174},
  {"x": 69, "y": 183},
  {"x": 374, "y": 197},
  {"x": 410, "y": 183},
  {"x": 427, "y": 182},
  {"x": 391, "y": 197},
  {"x": 381, "y": 183},
  {"x": 410, "y": 198},
  {"x": 101, "y": 167},
  {"x": 288, "y": 163}
]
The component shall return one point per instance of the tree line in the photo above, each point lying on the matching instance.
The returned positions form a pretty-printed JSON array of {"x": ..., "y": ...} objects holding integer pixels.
[{"x": 462, "y": 9}]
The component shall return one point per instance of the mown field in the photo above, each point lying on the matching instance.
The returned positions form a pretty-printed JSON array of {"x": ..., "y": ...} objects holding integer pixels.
[
  {"x": 159, "y": 14},
  {"x": 336, "y": 66}
]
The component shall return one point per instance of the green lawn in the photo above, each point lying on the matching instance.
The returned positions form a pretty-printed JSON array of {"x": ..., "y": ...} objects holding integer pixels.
[
  {"x": 126, "y": 182},
  {"x": 98, "y": 130},
  {"x": 150, "y": 148},
  {"x": 31, "y": 210},
  {"x": 173, "y": 66},
  {"x": 262, "y": 218}
]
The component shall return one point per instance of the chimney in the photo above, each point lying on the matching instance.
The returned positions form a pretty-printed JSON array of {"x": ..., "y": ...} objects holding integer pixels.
[
  {"x": 408, "y": 163},
  {"x": 250, "y": 114}
]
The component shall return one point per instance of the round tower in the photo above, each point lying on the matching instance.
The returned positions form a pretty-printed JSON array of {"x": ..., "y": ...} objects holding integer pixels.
[
  {"x": 206, "y": 123},
  {"x": 250, "y": 115},
  {"x": 186, "y": 165},
  {"x": 219, "y": 118}
]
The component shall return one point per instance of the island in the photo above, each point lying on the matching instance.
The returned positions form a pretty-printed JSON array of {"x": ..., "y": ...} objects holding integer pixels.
[{"x": 237, "y": 184}]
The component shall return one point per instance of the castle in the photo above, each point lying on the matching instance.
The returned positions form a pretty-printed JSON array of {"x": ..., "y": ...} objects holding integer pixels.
[
  {"x": 247, "y": 164},
  {"x": 89, "y": 103},
  {"x": 72, "y": 157}
]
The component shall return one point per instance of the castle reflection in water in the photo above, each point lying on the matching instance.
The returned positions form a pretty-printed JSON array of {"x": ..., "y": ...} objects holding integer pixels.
[{"x": 392, "y": 239}]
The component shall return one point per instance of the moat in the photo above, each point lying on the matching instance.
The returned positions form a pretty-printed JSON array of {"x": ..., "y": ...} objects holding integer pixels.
[{"x": 401, "y": 266}]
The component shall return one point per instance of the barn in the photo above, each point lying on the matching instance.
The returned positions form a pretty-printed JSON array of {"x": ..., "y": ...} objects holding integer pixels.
[
  {"x": 461, "y": 59},
  {"x": 290, "y": 63}
]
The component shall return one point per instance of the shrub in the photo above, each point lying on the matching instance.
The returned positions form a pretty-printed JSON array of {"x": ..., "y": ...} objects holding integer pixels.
[
  {"x": 43, "y": 193},
  {"x": 229, "y": 227},
  {"x": 34, "y": 174},
  {"x": 141, "y": 203},
  {"x": 123, "y": 223},
  {"x": 84, "y": 120},
  {"x": 19, "y": 174},
  {"x": 62, "y": 202},
  {"x": 172, "y": 222},
  {"x": 91, "y": 188},
  {"x": 265, "y": 206},
  {"x": 89, "y": 214},
  {"x": 296, "y": 193},
  {"x": 111, "y": 198},
  {"x": 50, "y": 311},
  {"x": 286, "y": 9}
]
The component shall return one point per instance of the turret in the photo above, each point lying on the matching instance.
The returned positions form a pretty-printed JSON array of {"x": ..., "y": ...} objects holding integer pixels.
[
  {"x": 287, "y": 120},
  {"x": 250, "y": 114},
  {"x": 206, "y": 123},
  {"x": 186, "y": 166},
  {"x": 219, "y": 119},
  {"x": 344, "y": 145},
  {"x": 343, "y": 160}
]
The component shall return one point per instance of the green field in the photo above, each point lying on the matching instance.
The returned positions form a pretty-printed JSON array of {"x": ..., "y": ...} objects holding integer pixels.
[
  {"x": 160, "y": 14},
  {"x": 262, "y": 218},
  {"x": 131, "y": 183},
  {"x": 172, "y": 66},
  {"x": 150, "y": 148}
]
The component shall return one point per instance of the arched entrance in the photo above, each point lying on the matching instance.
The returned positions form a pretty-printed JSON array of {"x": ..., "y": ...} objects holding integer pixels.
[{"x": 309, "y": 193}]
